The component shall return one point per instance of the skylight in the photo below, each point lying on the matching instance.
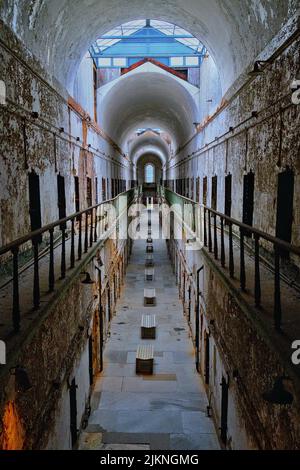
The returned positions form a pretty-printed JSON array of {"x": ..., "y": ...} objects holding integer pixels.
[{"x": 115, "y": 35}]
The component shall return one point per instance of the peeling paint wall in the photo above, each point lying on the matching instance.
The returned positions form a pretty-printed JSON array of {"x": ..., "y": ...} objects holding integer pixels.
[
  {"x": 265, "y": 144},
  {"x": 56, "y": 352},
  {"x": 47, "y": 144}
]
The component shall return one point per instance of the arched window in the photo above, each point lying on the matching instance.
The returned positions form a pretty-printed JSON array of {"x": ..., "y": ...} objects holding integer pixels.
[{"x": 149, "y": 173}]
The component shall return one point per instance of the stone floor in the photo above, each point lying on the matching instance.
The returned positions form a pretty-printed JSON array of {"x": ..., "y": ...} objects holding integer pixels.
[{"x": 163, "y": 411}]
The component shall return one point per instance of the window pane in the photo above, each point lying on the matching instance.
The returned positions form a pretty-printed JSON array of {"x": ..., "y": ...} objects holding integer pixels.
[
  {"x": 191, "y": 61},
  {"x": 149, "y": 174},
  {"x": 120, "y": 62},
  {"x": 176, "y": 61},
  {"x": 104, "y": 62}
]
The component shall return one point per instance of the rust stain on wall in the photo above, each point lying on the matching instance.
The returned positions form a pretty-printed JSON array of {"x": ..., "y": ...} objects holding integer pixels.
[{"x": 13, "y": 435}]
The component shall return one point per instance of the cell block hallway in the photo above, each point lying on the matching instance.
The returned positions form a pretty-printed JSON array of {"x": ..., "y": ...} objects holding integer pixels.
[
  {"x": 169, "y": 408},
  {"x": 121, "y": 334}
]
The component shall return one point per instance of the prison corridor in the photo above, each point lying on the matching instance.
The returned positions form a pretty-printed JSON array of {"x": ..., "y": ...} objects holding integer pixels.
[{"x": 166, "y": 410}]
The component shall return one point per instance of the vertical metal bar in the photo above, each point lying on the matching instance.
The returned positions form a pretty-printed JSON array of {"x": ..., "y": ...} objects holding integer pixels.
[
  {"x": 16, "y": 300},
  {"x": 51, "y": 262},
  {"x": 215, "y": 238},
  {"x": 72, "y": 255},
  {"x": 209, "y": 233},
  {"x": 222, "y": 243},
  {"x": 257, "y": 288},
  {"x": 205, "y": 228},
  {"x": 231, "y": 260},
  {"x": 80, "y": 238},
  {"x": 63, "y": 253},
  {"x": 86, "y": 233},
  {"x": 277, "y": 296},
  {"x": 242, "y": 261},
  {"x": 36, "y": 277},
  {"x": 91, "y": 229}
]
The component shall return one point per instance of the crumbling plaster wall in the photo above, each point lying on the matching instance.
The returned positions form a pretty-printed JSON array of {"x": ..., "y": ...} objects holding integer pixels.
[
  {"x": 51, "y": 143},
  {"x": 239, "y": 347},
  {"x": 265, "y": 144},
  {"x": 55, "y": 352},
  {"x": 233, "y": 31}
]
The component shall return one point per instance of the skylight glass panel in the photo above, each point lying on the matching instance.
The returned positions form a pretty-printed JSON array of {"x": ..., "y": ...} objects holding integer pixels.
[
  {"x": 104, "y": 62},
  {"x": 142, "y": 48},
  {"x": 191, "y": 61},
  {"x": 119, "y": 62},
  {"x": 176, "y": 61}
]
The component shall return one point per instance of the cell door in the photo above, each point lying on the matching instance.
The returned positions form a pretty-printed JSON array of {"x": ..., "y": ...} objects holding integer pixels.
[
  {"x": 198, "y": 189},
  {"x": 103, "y": 189},
  {"x": 192, "y": 188},
  {"x": 34, "y": 202},
  {"x": 73, "y": 412},
  {"x": 101, "y": 334},
  {"x": 214, "y": 190},
  {"x": 96, "y": 191},
  {"x": 91, "y": 368},
  {"x": 248, "y": 200},
  {"x": 228, "y": 191},
  {"x": 205, "y": 190},
  {"x": 224, "y": 410},
  {"x": 77, "y": 194},
  {"x": 61, "y": 198},
  {"x": 112, "y": 188},
  {"x": 89, "y": 195},
  {"x": 285, "y": 197},
  {"x": 207, "y": 358}
]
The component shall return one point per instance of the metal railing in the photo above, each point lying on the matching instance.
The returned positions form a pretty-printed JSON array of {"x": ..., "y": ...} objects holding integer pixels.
[
  {"x": 86, "y": 224},
  {"x": 215, "y": 235}
]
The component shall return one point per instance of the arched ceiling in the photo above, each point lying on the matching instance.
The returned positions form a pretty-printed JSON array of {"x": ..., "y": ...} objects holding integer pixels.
[
  {"x": 59, "y": 32},
  {"x": 149, "y": 143},
  {"x": 148, "y": 100},
  {"x": 149, "y": 158}
]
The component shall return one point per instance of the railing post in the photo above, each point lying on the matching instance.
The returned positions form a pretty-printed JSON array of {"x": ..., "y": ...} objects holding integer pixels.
[
  {"x": 277, "y": 297},
  {"x": 222, "y": 243},
  {"x": 51, "y": 262},
  {"x": 257, "y": 289},
  {"x": 72, "y": 254},
  {"x": 63, "y": 252},
  {"x": 36, "y": 277},
  {"x": 215, "y": 238},
  {"x": 242, "y": 261},
  {"x": 231, "y": 259},
  {"x": 80, "y": 238},
  {"x": 16, "y": 301}
]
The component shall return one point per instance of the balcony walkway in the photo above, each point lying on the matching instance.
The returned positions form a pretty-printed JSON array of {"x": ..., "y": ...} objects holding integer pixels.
[{"x": 163, "y": 411}]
